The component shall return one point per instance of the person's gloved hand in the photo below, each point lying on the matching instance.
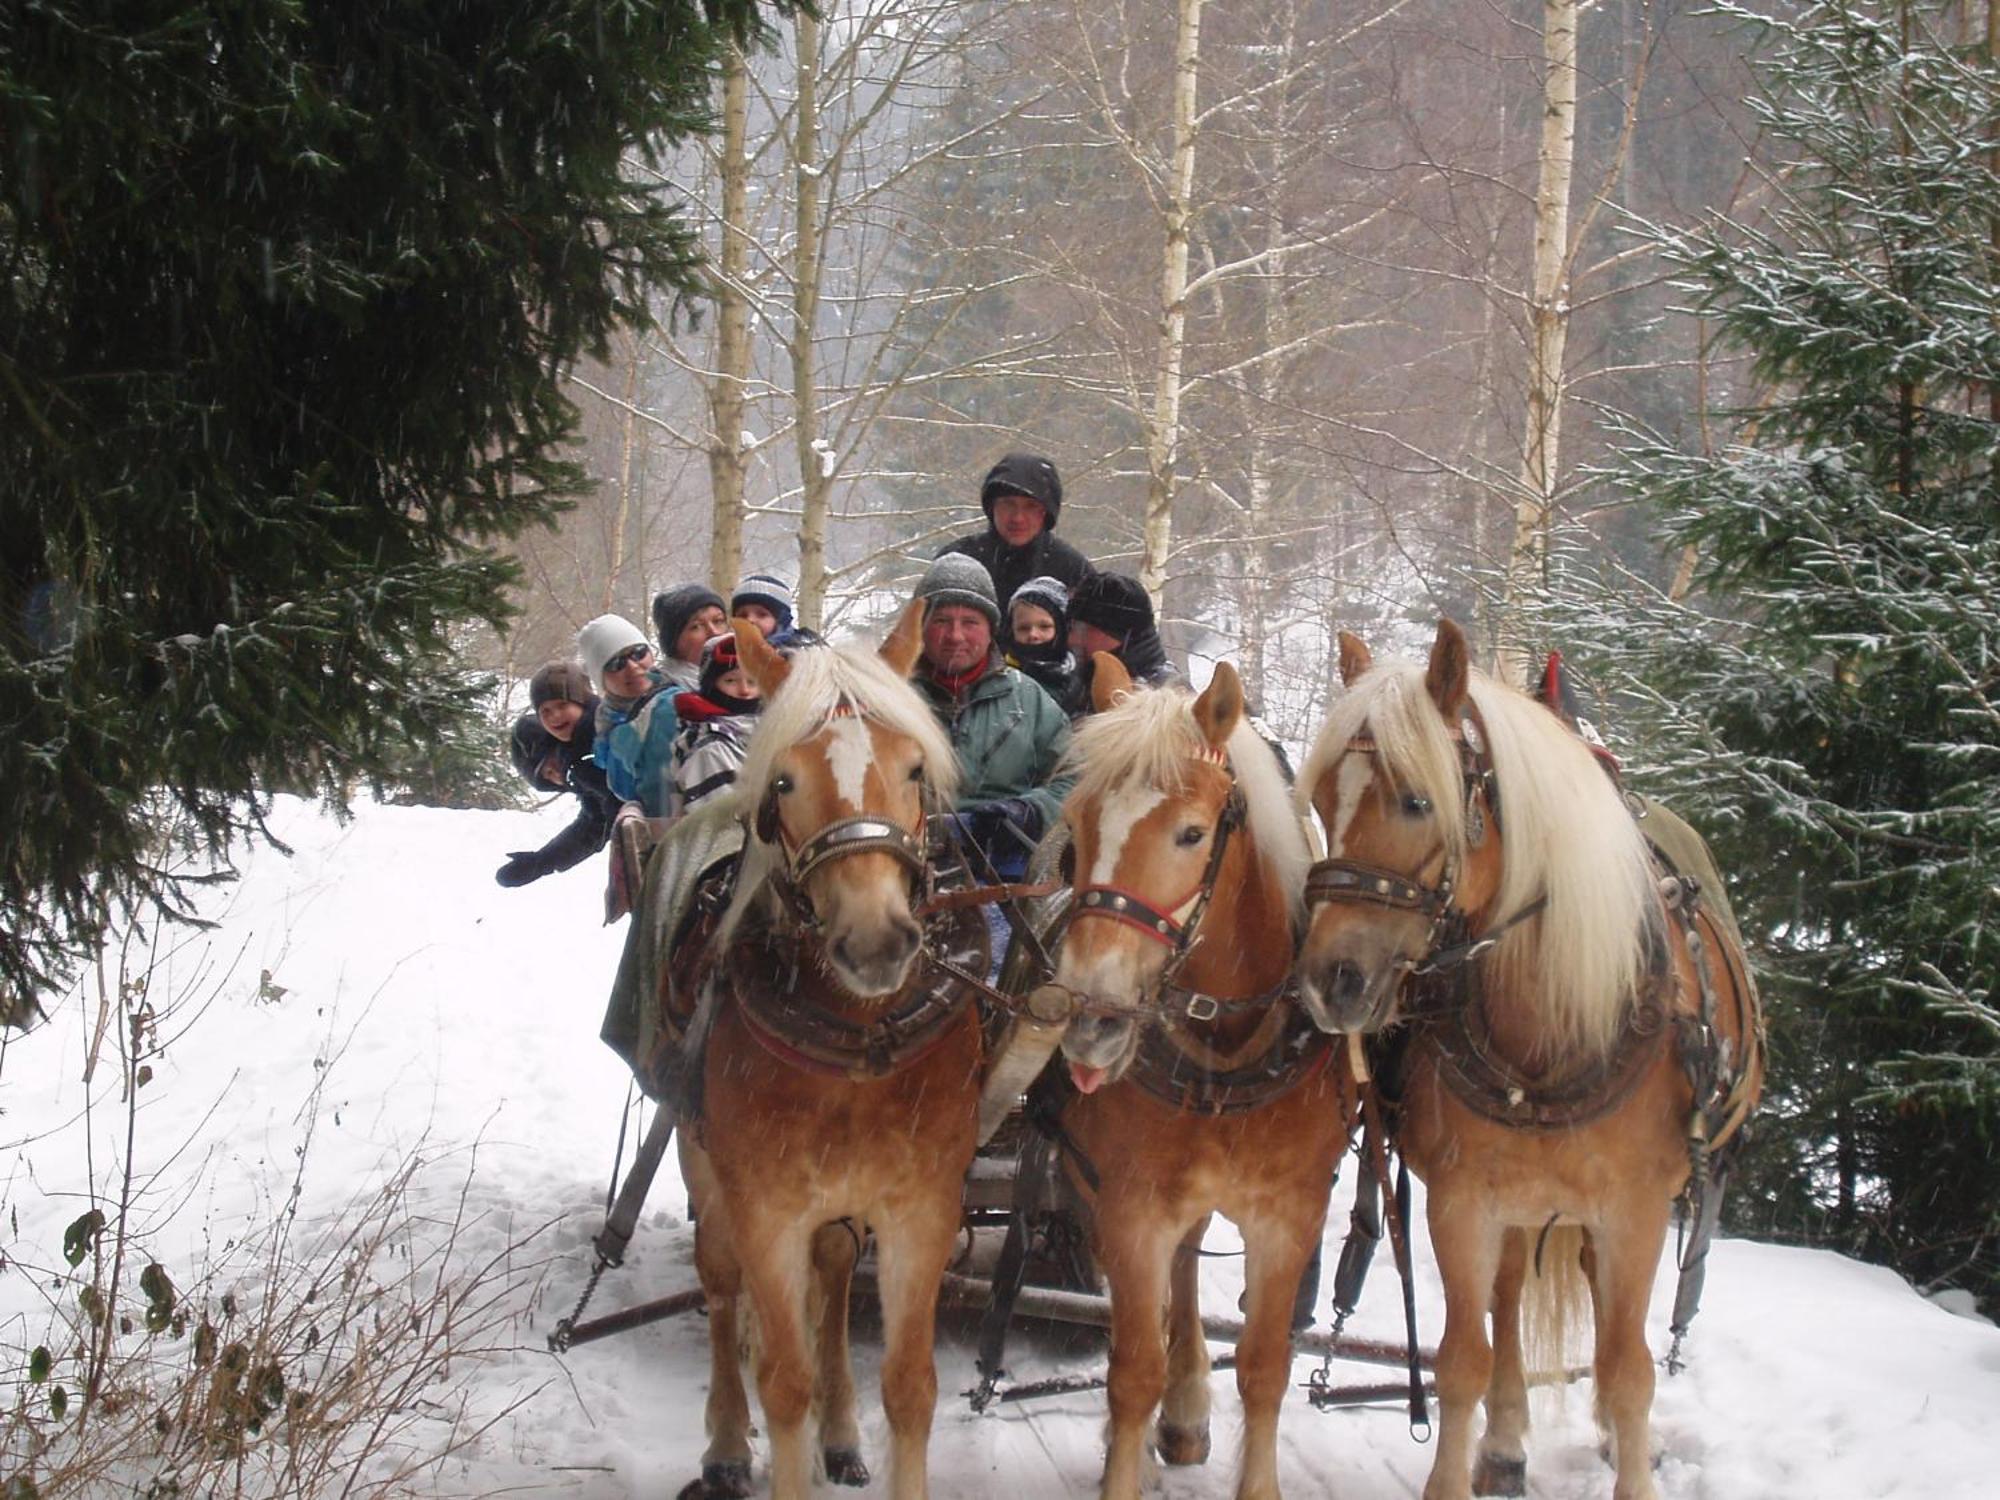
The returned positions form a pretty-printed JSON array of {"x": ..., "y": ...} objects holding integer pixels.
[
  {"x": 1005, "y": 826},
  {"x": 521, "y": 867}
]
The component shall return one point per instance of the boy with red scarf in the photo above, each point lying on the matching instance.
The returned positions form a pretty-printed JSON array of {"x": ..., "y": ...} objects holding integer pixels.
[{"x": 716, "y": 719}]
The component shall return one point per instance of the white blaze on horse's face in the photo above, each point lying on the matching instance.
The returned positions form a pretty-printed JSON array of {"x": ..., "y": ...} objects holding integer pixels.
[
  {"x": 1150, "y": 845},
  {"x": 1351, "y": 781},
  {"x": 1121, "y": 813},
  {"x": 855, "y": 767},
  {"x": 850, "y": 751}
]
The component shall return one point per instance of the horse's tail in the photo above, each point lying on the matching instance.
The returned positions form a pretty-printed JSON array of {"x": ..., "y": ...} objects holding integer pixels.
[{"x": 1555, "y": 1300}]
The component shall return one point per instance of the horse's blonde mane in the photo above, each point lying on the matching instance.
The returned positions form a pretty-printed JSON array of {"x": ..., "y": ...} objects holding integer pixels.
[
  {"x": 1566, "y": 830},
  {"x": 1150, "y": 736},
  {"x": 825, "y": 682}
]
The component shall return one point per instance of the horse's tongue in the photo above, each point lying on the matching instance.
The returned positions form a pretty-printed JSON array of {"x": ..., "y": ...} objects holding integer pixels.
[{"x": 1087, "y": 1080}]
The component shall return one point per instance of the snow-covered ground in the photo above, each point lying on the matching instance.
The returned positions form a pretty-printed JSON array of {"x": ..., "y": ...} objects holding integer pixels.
[{"x": 434, "y": 1013}]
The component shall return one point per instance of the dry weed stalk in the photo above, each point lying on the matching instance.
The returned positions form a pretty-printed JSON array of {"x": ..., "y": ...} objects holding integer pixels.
[{"x": 311, "y": 1357}]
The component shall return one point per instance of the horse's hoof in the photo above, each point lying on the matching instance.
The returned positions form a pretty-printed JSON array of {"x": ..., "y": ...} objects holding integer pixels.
[
  {"x": 1182, "y": 1445},
  {"x": 728, "y": 1480},
  {"x": 1500, "y": 1476},
  {"x": 844, "y": 1466}
]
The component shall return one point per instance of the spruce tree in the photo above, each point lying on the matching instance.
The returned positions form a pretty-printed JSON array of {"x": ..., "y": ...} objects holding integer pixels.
[
  {"x": 290, "y": 288},
  {"x": 1826, "y": 702}
]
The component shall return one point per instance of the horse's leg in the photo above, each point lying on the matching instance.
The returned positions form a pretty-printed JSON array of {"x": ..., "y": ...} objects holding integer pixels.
[
  {"x": 1467, "y": 1243},
  {"x": 1503, "y": 1453},
  {"x": 1275, "y": 1254},
  {"x": 776, "y": 1259},
  {"x": 1627, "y": 1254},
  {"x": 834, "y": 1250},
  {"x": 725, "y": 1466},
  {"x": 1135, "y": 1249},
  {"x": 913, "y": 1244},
  {"x": 1183, "y": 1431}
]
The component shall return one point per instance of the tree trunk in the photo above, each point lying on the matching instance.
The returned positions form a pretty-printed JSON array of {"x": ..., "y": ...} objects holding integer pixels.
[
  {"x": 621, "y": 524},
  {"x": 726, "y": 449},
  {"x": 1163, "y": 432},
  {"x": 1527, "y": 563},
  {"x": 815, "y": 482},
  {"x": 1275, "y": 329}
]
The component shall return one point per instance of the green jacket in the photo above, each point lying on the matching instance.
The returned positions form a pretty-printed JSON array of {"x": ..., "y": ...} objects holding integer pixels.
[{"x": 1008, "y": 735}]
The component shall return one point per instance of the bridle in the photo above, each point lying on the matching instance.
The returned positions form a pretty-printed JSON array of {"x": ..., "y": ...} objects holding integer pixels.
[
  {"x": 862, "y": 833},
  {"x": 1173, "y": 924},
  {"x": 1449, "y": 942}
]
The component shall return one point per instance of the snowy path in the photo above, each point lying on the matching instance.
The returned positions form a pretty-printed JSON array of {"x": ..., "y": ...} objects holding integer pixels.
[{"x": 444, "y": 1011}]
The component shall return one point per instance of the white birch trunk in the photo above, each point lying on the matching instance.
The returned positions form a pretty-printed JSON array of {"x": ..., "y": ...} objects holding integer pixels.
[
  {"x": 1163, "y": 431},
  {"x": 621, "y": 523},
  {"x": 1527, "y": 560},
  {"x": 815, "y": 485},
  {"x": 726, "y": 458}
]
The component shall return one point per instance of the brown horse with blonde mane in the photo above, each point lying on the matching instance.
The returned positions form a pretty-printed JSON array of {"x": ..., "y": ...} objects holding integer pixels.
[
  {"x": 1581, "y": 1034},
  {"x": 841, "y": 1073},
  {"x": 1202, "y": 1086}
]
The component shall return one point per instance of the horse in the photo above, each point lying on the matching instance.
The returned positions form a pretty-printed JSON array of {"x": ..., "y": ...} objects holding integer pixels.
[
  {"x": 1580, "y": 1034},
  {"x": 1201, "y": 1088},
  {"x": 841, "y": 1073}
]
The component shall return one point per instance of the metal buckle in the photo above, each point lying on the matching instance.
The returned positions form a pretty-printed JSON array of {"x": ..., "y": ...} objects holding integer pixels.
[{"x": 1201, "y": 1008}]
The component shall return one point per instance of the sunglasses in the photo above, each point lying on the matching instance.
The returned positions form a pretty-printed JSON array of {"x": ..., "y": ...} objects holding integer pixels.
[{"x": 631, "y": 656}]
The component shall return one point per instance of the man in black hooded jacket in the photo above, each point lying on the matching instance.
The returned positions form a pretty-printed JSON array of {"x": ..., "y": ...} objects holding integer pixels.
[{"x": 1022, "y": 497}]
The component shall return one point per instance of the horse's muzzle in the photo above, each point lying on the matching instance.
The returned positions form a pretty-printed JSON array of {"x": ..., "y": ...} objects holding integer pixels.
[
  {"x": 1340, "y": 997},
  {"x": 878, "y": 961},
  {"x": 1099, "y": 1048}
]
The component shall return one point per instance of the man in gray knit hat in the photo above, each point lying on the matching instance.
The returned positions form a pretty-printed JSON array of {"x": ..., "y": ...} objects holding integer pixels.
[{"x": 1008, "y": 733}]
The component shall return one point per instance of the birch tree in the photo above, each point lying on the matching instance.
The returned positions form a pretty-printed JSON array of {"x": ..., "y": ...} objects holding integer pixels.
[
  {"x": 1163, "y": 437},
  {"x": 731, "y": 295},
  {"x": 1548, "y": 314}
]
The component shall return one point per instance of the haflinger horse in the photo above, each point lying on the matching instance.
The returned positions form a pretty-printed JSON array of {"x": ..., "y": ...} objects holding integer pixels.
[
  {"x": 1202, "y": 1086},
  {"x": 841, "y": 1076},
  {"x": 1581, "y": 1033}
]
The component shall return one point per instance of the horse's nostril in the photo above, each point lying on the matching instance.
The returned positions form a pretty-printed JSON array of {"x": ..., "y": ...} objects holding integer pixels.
[{"x": 1347, "y": 983}]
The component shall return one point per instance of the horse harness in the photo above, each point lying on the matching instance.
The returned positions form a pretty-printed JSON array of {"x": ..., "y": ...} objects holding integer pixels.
[
  {"x": 1175, "y": 1063},
  {"x": 1442, "y": 999},
  {"x": 770, "y": 972},
  {"x": 770, "y": 977}
]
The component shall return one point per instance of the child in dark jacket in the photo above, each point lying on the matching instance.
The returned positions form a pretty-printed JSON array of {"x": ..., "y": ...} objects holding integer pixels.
[
  {"x": 551, "y": 748},
  {"x": 716, "y": 721},
  {"x": 1037, "y": 642}
]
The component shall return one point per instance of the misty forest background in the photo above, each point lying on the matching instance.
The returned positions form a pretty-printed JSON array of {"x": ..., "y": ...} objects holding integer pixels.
[{"x": 1665, "y": 334}]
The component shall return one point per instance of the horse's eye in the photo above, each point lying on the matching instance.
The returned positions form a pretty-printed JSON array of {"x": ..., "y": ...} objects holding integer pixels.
[
  {"x": 917, "y": 771},
  {"x": 1417, "y": 807},
  {"x": 781, "y": 784},
  {"x": 1191, "y": 835}
]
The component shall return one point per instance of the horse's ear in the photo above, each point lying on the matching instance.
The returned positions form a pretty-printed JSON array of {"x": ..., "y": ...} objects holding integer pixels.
[
  {"x": 1355, "y": 657},
  {"x": 1219, "y": 709},
  {"x": 1109, "y": 681},
  {"x": 1446, "y": 680},
  {"x": 905, "y": 640},
  {"x": 767, "y": 668}
]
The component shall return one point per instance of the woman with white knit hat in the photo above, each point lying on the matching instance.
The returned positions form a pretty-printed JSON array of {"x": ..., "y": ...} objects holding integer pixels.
[{"x": 635, "y": 717}]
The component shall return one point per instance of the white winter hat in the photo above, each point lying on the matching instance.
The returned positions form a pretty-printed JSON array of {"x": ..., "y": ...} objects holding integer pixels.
[{"x": 602, "y": 639}]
